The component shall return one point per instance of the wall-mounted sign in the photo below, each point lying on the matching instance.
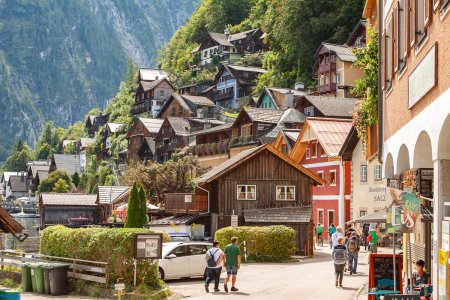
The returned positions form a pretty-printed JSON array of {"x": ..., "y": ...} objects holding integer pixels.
[
  {"x": 234, "y": 221},
  {"x": 148, "y": 245},
  {"x": 403, "y": 211},
  {"x": 423, "y": 78},
  {"x": 187, "y": 198}
]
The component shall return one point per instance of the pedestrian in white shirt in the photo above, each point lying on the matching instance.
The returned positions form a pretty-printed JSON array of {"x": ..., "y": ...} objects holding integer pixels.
[
  {"x": 214, "y": 259},
  {"x": 334, "y": 238}
]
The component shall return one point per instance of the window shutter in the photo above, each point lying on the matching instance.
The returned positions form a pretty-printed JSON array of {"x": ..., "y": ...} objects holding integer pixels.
[
  {"x": 383, "y": 62},
  {"x": 428, "y": 15},
  {"x": 436, "y": 4},
  {"x": 391, "y": 51},
  {"x": 412, "y": 23},
  {"x": 395, "y": 39},
  {"x": 405, "y": 9}
]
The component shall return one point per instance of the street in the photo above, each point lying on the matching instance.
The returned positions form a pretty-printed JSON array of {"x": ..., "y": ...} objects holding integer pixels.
[{"x": 311, "y": 278}]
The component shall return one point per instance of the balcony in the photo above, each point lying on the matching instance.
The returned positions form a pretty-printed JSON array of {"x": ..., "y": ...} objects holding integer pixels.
[
  {"x": 328, "y": 88},
  {"x": 224, "y": 96},
  {"x": 139, "y": 108},
  {"x": 186, "y": 203},
  {"x": 326, "y": 68}
]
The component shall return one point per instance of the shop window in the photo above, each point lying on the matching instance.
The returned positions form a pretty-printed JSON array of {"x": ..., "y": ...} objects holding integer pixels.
[
  {"x": 378, "y": 172},
  {"x": 333, "y": 178},
  {"x": 285, "y": 193},
  {"x": 363, "y": 173},
  {"x": 246, "y": 192},
  {"x": 320, "y": 216}
]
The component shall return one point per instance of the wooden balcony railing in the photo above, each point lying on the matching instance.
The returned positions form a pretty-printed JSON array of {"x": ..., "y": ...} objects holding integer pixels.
[
  {"x": 186, "y": 203},
  {"x": 329, "y": 87}
]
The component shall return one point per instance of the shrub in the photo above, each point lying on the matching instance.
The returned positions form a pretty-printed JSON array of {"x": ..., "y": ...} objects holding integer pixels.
[
  {"x": 268, "y": 243},
  {"x": 112, "y": 245}
]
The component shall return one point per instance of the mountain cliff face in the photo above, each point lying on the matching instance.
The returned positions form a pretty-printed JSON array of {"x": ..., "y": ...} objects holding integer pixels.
[{"x": 59, "y": 59}]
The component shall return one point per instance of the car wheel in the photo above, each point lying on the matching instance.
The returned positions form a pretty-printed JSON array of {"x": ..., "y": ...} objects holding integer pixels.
[{"x": 160, "y": 273}]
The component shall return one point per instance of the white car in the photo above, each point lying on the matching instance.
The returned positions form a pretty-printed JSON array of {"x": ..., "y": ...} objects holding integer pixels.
[{"x": 183, "y": 259}]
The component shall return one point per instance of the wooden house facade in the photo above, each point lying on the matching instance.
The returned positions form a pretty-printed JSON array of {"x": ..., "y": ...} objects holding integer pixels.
[
  {"x": 258, "y": 185},
  {"x": 187, "y": 106},
  {"x": 143, "y": 133},
  {"x": 151, "y": 95}
]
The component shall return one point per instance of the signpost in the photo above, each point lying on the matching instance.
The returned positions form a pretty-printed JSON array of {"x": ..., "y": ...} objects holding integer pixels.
[
  {"x": 147, "y": 246},
  {"x": 234, "y": 221}
]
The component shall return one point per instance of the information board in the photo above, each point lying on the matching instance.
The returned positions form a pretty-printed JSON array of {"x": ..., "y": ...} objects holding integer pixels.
[
  {"x": 381, "y": 272},
  {"x": 148, "y": 246}
]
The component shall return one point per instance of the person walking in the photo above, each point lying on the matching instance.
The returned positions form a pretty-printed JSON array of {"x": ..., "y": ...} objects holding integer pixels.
[
  {"x": 373, "y": 240},
  {"x": 340, "y": 257},
  {"x": 232, "y": 263},
  {"x": 353, "y": 248},
  {"x": 331, "y": 230},
  {"x": 334, "y": 237},
  {"x": 365, "y": 230},
  {"x": 214, "y": 258},
  {"x": 319, "y": 234}
]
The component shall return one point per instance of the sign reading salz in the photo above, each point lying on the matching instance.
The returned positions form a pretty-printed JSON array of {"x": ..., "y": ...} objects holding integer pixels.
[
  {"x": 423, "y": 78},
  {"x": 148, "y": 245}
]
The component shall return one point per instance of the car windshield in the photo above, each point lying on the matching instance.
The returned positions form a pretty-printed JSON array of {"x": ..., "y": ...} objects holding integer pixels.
[{"x": 180, "y": 239}]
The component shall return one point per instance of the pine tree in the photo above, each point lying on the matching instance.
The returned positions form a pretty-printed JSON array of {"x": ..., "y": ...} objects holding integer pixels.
[
  {"x": 143, "y": 205},
  {"x": 133, "y": 219}
]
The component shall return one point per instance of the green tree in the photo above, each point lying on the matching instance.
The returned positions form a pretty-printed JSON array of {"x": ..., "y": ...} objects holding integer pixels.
[
  {"x": 134, "y": 217},
  {"x": 48, "y": 184},
  {"x": 143, "y": 205},
  {"x": 76, "y": 179},
  {"x": 18, "y": 158},
  {"x": 60, "y": 186}
]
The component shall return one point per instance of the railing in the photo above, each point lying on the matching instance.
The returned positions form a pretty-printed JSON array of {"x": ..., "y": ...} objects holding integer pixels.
[
  {"x": 98, "y": 271},
  {"x": 326, "y": 68},
  {"x": 329, "y": 87},
  {"x": 224, "y": 96},
  {"x": 139, "y": 108},
  {"x": 186, "y": 203}
]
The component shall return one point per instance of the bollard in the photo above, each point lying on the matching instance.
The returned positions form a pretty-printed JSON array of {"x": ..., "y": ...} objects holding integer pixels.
[{"x": 245, "y": 252}]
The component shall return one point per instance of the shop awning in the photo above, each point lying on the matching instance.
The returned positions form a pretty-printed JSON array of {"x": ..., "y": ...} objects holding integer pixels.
[{"x": 380, "y": 216}]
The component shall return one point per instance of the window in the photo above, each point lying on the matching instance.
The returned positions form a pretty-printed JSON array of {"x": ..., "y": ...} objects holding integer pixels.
[
  {"x": 320, "y": 216},
  {"x": 333, "y": 177},
  {"x": 401, "y": 34},
  {"x": 420, "y": 20},
  {"x": 197, "y": 249},
  {"x": 180, "y": 251},
  {"x": 307, "y": 153},
  {"x": 322, "y": 152},
  {"x": 173, "y": 110},
  {"x": 285, "y": 193},
  {"x": 338, "y": 78},
  {"x": 161, "y": 93},
  {"x": 205, "y": 54},
  {"x": 330, "y": 217},
  {"x": 246, "y": 130},
  {"x": 378, "y": 172},
  {"x": 362, "y": 213},
  {"x": 314, "y": 150},
  {"x": 246, "y": 192},
  {"x": 388, "y": 56},
  {"x": 284, "y": 149},
  {"x": 363, "y": 173},
  {"x": 394, "y": 34},
  {"x": 320, "y": 173},
  {"x": 309, "y": 111},
  {"x": 234, "y": 133}
]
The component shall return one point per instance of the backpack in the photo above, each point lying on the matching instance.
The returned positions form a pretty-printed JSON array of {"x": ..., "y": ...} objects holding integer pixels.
[
  {"x": 352, "y": 246},
  {"x": 340, "y": 256},
  {"x": 211, "y": 262}
]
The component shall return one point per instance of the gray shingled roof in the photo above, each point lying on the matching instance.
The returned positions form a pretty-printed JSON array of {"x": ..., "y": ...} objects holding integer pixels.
[
  {"x": 113, "y": 127},
  {"x": 264, "y": 115},
  {"x": 18, "y": 183},
  {"x": 344, "y": 53},
  {"x": 67, "y": 162},
  {"x": 181, "y": 126},
  {"x": 149, "y": 85},
  {"x": 333, "y": 107},
  {"x": 107, "y": 194},
  {"x": 35, "y": 169},
  {"x": 241, "y": 35},
  {"x": 198, "y": 100},
  {"x": 246, "y": 69},
  {"x": 152, "y": 125},
  {"x": 69, "y": 199},
  {"x": 279, "y": 215},
  {"x": 223, "y": 127},
  {"x": 42, "y": 174},
  {"x": 177, "y": 220},
  {"x": 292, "y": 115},
  {"x": 220, "y": 38}
]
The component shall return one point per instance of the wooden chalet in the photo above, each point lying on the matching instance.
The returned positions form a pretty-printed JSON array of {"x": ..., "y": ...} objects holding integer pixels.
[
  {"x": 278, "y": 98},
  {"x": 262, "y": 186},
  {"x": 234, "y": 85},
  {"x": 196, "y": 89},
  {"x": 187, "y": 106},
  {"x": 358, "y": 37},
  {"x": 94, "y": 122},
  {"x": 4, "y": 183},
  {"x": 286, "y": 140},
  {"x": 106, "y": 196},
  {"x": 107, "y": 133},
  {"x": 141, "y": 137},
  {"x": 18, "y": 186},
  {"x": 37, "y": 171},
  {"x": 151, "y": 95},
  {"x": 326, "y": 107}
]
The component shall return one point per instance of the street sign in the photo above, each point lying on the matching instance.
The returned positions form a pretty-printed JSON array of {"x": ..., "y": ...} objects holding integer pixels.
[
  {"x": 234, "y": 221},
  {"x": 119, "y": 286},
  {"x": 148, "y": 245},
  {"x": 187, "y": 198}
]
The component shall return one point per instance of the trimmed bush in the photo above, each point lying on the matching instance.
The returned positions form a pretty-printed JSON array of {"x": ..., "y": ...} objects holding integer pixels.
[
  {"x": 112, "y": 245},
  {"x": 265, "y": 243}
]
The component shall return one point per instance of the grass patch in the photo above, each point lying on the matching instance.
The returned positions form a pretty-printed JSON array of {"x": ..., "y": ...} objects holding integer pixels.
[
  {"x": 231, "y": 115},
  {"x": 9, "y": 283}
]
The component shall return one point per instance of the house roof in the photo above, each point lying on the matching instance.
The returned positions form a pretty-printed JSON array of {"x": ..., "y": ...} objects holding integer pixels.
[
  {"x": 246, "y": 68},
  {"x": 242, "y": 157},
  {"x": 331, "y": 133},
  {"x": 67, "y": 162},
  {"x": 42, "y": 174},
  {"x": 181, "y": 126},
  {"x": 147, "y": 74},
  {"x": 264, "y": 115},
  {"x": 107, "y": 194},
  {"x": 343, "y": 52},
  {"x": 220, "y": 38},
  {"x": 6, "y": 175},
  {"x": 36, "y": 169},
  {"x": 349, "y": 145},
  {"x": 242, "y": 35},
  {"x": 198, "y": 100},
  {"x": 296, "y": 214},
  {"x": 150, "y": 85},
  {"x": 292, "y": 115},
  {"x": 177, "y": 220},
  {"x": 86, "y": 142},
  {"x": 57, "y": 199},
  {"x": 113, "y": 127},
  {"x": 152, "y": 125},
  {"x": 18, "y": 183},
  {"x": 333, "y": 107},
  {"x": 292, "y": 134},
  {"x": 224, "y": 127}
]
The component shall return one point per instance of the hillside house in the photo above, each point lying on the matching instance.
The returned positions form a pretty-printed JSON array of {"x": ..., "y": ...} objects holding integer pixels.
[
  {"x": 196, "y": 89},
  {"x": 326, "y": 107},
  {"x": 317, "y": 149},
  {"x": 278, "y": 98},
  {"x": 70, "y": 163},
  {"x": 151, "y": 95},
  {"x": 234, "y": 85},
  {"x": 94, "y": 122},
  {"x": 141, "y": 145},
  {"x": 228, "y": 48},
  {"x": 4, "y": 183},
  {"x": 37, "y": 171},
  {"x": 187, "y": 106},
  {"x": 286, "y": 140},
  {"x": 358, "y": 37},
  {"x": 17, "y": 186}
]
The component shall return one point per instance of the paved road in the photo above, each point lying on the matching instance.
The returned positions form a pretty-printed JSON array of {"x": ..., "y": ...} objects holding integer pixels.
[{"x": 311, "y": 278}]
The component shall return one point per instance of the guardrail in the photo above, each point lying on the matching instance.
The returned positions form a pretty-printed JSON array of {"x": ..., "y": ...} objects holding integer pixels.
[{"x": 95, "y": 271}]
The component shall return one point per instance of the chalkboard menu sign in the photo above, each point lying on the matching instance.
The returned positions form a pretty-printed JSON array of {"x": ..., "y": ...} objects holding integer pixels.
[{"x": 381, "y": 272}]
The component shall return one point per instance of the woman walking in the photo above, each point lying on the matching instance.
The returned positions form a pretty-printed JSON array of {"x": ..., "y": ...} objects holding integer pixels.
[{"x": 340, "y": 258}]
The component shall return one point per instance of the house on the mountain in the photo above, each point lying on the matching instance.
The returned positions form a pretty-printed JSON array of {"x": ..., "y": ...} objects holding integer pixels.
[
  {"x": 5, "y": 190},
  {"x": 151, "y": 96},
  {"x": 108, "y": 131},
  {"x": 17, "y": 186},
  {"x": 327, "y": 107},
  {"x": 318, "y": 149},
  {"x": 234, "y": 85},
  {"x": 334, "y": 71},
  {"x": 286, "y": 140},
  {"x": 261, "y": 186},
  {"x": 196, "y": 89},
  {"x": 278, "y": 98},
  {"x": 228, "y": 48},
  {"x": 37, "y": 171},
  {"x": 85, "y": 143},
  {"x": 149, "y": 74},
  {"x": 187, "y": 106},
  {"x": 94, "y": 122},
  {"x": 358, "y": 37},
  {"x": 141, "y": 139},
  {"x": 70, "y": 163},
  {"x": 173, "y": 134},
  {"x": 71, "y": 146}
]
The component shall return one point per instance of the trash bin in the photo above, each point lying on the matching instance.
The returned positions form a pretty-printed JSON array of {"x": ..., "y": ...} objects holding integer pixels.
[
  {"x": 26, "y": 278},
  {"x": 58, "y": 279},
  {"x": 37, "y": 278},
  {"x": 46, "y": 269},
  {"x": 7, "y": 294}
]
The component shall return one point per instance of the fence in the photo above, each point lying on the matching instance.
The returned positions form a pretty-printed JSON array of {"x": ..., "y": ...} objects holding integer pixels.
[{"x": 95, "y": 271}]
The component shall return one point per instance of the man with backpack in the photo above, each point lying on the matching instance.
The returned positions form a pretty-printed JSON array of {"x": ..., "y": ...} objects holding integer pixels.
[
  {"x": 214, "y": 258},
  {"x": 353, "y": 249}
]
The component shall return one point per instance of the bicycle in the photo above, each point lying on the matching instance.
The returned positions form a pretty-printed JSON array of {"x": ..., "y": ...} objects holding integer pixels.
[{"x": 319, "y": 240}]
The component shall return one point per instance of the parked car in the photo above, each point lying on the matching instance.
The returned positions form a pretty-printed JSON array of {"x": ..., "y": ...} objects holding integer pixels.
[
  {"x": 179, "y": 237},
  {"x": 183, "y": 259}
]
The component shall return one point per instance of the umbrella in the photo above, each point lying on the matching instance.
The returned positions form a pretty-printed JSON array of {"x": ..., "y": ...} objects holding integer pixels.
[
  {"x": 152, "y": 207},
  {"x": 376, "y": 217}
]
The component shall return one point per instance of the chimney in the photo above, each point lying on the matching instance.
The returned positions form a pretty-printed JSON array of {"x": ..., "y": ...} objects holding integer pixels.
[
  {"x": 227, "y": 33},
  {"x": 299, "y": 86}
]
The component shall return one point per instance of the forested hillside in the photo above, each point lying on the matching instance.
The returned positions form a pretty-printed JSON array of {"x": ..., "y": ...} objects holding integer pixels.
[
  {"x": 58, "y": 59},
  {"x": 295, "y": 30}
]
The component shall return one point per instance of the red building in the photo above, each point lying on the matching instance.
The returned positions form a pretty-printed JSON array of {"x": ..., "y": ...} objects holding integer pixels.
[{"x": 317, "y": 149}]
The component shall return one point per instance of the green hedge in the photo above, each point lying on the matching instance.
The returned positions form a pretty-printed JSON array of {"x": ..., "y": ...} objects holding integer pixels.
[
  {"x": 269, "y": 243},
  {"x": 112, "y": 245}
]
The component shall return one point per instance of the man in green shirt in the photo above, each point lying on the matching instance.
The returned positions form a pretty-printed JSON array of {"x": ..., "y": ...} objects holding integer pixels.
[
  {"x": 373, "y": 242},
  {"x": 319, "y": 231},
  {"x": 232, "y": 262}
]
